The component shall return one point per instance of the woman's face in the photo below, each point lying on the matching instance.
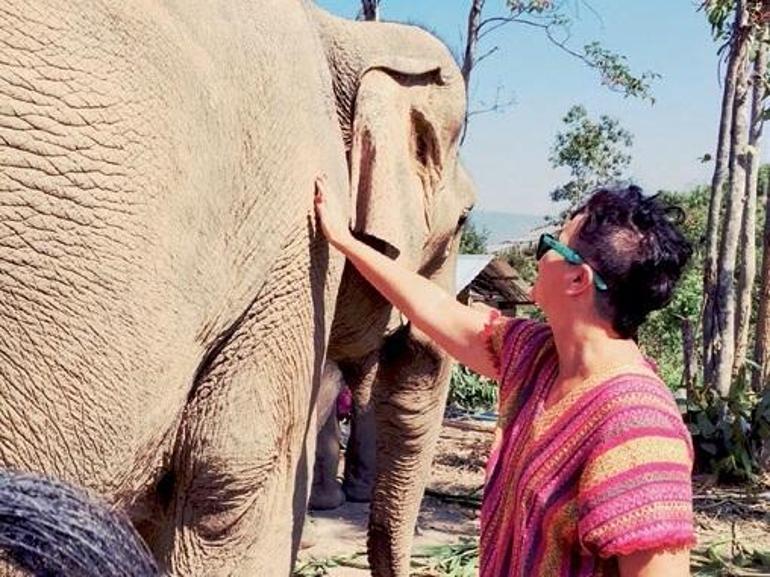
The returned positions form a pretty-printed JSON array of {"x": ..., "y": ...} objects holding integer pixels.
[{"x": 554, "y": 274}]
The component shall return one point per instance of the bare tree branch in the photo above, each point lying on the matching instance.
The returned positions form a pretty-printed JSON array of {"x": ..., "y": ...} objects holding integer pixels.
[
  {"x": 497, "y": 22},
  {"x": 499, "y": 105},
  {"x": 487, "y": 54}
]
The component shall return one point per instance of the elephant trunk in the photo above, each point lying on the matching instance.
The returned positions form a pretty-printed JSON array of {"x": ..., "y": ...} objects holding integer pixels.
[{"x": 409, "y": 402}]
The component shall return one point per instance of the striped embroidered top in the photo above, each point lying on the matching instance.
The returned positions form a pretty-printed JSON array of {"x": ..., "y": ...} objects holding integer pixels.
[{"x": 603, "y": 472}]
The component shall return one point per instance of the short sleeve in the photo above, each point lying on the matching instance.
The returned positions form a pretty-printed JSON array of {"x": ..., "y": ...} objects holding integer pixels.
[
  {"x": 635, "y": 491},
  {"x": 494, "y": 332}
]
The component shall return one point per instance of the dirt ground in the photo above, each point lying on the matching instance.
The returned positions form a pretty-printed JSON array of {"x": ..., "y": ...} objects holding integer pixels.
[{"x": 729, "y": 520}]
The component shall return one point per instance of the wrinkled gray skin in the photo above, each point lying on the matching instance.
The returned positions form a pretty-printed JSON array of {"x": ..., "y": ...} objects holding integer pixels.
[{"x": 165, "y": 300}]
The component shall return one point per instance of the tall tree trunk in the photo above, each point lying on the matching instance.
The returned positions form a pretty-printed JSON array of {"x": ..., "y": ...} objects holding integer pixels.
[
  {"x": 472, "y": 39},
  {"x": 469, "y": 58},
  {"x": 762, "y": 339},
  {"x": 370, "y": 9},
  {"x": 724, "y": 303},
  {"x": 715, "y": 207},
  {"x": 748, "y": 263}
]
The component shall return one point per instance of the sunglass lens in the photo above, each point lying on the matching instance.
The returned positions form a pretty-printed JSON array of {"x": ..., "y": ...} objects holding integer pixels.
[{"x": 542, "y": 248}]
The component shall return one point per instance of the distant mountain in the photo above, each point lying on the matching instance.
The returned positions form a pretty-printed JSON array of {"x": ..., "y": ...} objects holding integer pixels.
[{"x": 504, "y": 226}]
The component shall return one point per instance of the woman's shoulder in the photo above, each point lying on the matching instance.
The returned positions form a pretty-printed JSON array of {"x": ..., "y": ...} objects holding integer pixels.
[
  {"x": 639, "y": 403},
  {"x": 639, "y": 385}
]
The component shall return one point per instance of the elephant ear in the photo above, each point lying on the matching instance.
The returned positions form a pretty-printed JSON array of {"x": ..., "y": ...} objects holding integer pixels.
[{"x": 395, "y": 158}]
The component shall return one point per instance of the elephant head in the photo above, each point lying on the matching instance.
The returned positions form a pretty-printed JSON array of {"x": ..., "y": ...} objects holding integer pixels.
[{"x": 401, "y": 103}]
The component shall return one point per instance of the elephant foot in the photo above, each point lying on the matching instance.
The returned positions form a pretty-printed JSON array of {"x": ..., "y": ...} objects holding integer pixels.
[
  {"x": 323, "y": 499},
  {"x": 357, "y": 493}
]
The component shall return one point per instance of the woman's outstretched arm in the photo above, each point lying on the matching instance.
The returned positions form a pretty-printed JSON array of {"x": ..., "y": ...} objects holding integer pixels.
[{"x": 458, "y": 329}]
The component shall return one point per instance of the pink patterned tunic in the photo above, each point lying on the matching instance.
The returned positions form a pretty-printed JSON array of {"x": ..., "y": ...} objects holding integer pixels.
[{"x": 603, "y": 472}]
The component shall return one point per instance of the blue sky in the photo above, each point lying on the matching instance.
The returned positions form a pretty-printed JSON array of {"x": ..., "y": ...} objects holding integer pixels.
[{"x": 507, "y": 154}]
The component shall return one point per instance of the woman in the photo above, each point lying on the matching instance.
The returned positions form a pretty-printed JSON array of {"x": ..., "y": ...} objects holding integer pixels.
[{"x": 589, "y": 474}]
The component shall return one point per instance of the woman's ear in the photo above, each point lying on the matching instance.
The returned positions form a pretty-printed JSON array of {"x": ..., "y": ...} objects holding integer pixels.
[{"x": 580, "y": 278}]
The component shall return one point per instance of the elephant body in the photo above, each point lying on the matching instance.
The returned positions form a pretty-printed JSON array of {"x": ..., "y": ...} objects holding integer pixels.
[{"x": 165, "y": 299}]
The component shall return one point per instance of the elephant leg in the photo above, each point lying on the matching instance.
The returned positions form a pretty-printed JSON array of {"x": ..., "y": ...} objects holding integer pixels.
[
  {"x": 326, "y": 492},
  {"x": 361, "y": 452},
  {"x": 409, "y": 400},
  {"x": 241, "y": 464}
]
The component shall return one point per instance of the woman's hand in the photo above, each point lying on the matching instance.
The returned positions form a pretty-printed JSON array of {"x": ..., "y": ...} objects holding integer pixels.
[{"x": 331, "y": 215}]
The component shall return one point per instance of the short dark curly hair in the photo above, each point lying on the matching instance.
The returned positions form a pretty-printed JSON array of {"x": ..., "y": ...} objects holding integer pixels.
[{"x": 634, "y": 243}]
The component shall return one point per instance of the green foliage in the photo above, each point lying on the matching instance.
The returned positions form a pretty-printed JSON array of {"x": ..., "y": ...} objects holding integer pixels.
[
  {"x": 470, "y": 391},
  {"x": 594, "y": 152},
  {"x": 719, "y": 14},
  {"x": 529, "y": 6},
  {"x": 473, "y": 240},
  {"x": 729, "y": 434},
  {"x": 455, "y": 560},
  {"x": 616, "y": 75}
]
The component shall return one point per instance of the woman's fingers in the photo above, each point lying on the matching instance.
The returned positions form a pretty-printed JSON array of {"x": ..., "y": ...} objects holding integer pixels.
[
  {"x": 329, "y": 213},
  {"x": 320, "y": 186}
]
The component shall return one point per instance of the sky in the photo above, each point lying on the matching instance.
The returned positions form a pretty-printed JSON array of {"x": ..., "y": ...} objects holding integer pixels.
[{"x": 507, "y": 153}]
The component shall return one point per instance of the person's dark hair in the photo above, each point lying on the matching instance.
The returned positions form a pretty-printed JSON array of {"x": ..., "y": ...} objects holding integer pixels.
[{"x": 634, "y": 243}]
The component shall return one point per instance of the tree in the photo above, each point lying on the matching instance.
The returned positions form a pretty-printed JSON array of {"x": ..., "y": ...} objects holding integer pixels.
[
  {"x": 473, "y": 240},
  {"x": 727, "y": 309},
  {"x": 718, "y": 11},
  {"x": 370, "y": 10},
  {"x": 594, "y": 152},
  {"x": 715, "y": 207},
  {"x": 748, "y": 258},
  {"x": 760, "y": 378},
  {"x": 724, "y": 300},
  {"x": 554, "y": 20}
]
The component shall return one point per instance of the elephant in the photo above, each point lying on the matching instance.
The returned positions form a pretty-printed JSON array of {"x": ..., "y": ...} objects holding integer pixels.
[{"x": 166, "y": 299}]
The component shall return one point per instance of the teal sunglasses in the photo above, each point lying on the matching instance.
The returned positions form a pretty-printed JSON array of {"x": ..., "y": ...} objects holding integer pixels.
[{"x": 548, "y": 242}]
